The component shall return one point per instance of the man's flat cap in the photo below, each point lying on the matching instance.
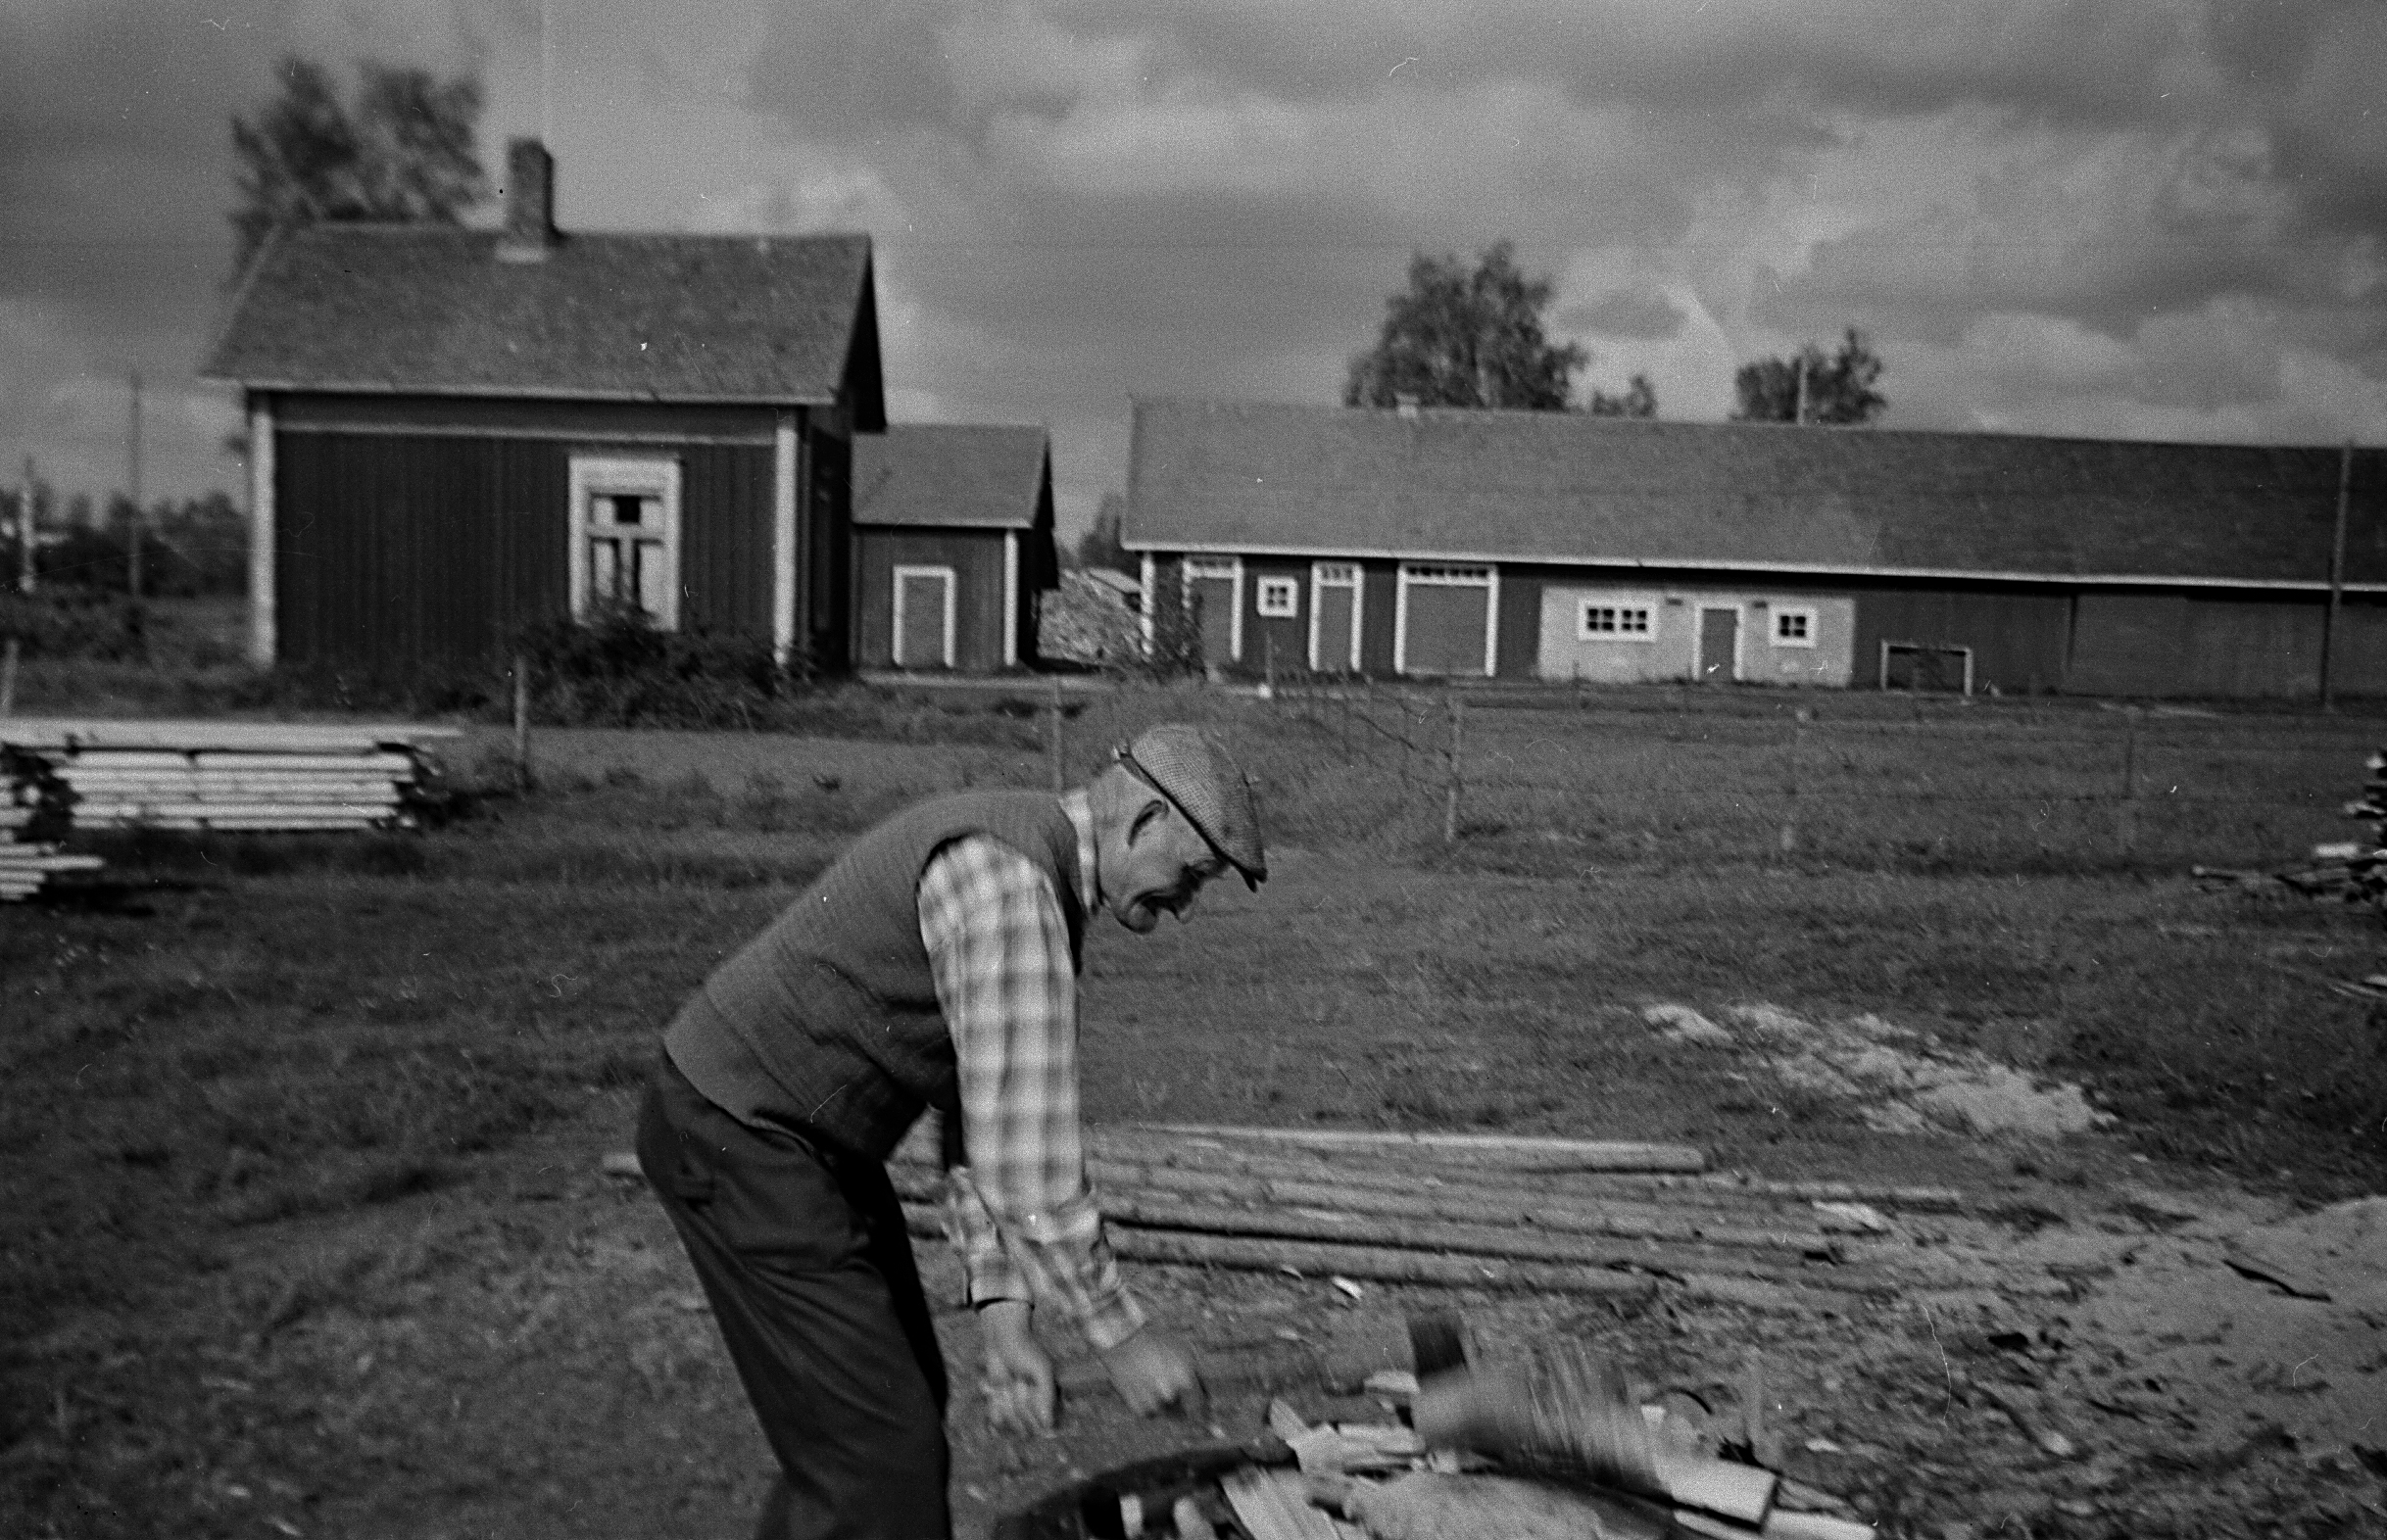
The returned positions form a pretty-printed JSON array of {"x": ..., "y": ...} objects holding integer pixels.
[{"x": 1193, "y": 771}]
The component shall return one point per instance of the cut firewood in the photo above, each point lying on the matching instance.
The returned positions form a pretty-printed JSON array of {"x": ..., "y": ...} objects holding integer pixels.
[{"x": 1274, "y": 1505}]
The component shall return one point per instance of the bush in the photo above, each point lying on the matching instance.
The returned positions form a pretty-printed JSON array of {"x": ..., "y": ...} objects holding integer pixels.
[
  {"x": 617, "y": 669},
  {"x": 73, "y": 623}
]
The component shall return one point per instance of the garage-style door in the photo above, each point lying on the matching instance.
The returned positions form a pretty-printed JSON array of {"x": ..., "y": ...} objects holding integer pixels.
[{"x": 1444, "y": 621}]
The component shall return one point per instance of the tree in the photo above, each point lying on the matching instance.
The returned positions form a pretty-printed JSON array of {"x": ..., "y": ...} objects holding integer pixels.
[
  {"x": 403, "y": 152},
  {"x": 1640, "y": 400},
  {"x": 1839, "y": 389},
  {"x": 1099, "y": 546},
  {"x": 1457, "y": 337}
]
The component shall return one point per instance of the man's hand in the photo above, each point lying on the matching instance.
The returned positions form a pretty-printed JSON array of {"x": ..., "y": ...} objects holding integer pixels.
[
  {"x": 1019, "y": 1385},
  {"x": 1153, "y": 1372}
]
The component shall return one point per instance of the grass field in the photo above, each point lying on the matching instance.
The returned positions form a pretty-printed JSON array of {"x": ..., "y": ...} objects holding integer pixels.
[{"x": 300, "y": 1137}]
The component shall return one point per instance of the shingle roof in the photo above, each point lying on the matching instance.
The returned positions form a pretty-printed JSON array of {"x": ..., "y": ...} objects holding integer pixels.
[
  {"x": 950, "y": 476},
  {"x": 1566, "y": 487},
  {"x": 645, "y": 318}
]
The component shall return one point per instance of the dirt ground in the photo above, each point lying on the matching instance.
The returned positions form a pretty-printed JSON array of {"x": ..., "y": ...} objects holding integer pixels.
[{"x": 2107, "y": 1339}]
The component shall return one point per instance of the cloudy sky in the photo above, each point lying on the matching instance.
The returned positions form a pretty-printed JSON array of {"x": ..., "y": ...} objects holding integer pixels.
[{"x": 2144, "y": 218}]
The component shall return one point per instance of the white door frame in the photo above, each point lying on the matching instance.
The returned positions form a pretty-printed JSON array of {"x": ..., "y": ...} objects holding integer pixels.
[
  {"x": 1740, "y": 628},
  {"x": 895, "y": 649},
  {"x": 1439, "y": 574},
  {"x": 1214, "y": 569},
  {"x": 1319, "y": 583}
]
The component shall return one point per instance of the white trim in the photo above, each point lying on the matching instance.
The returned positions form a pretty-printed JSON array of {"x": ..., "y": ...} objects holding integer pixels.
[
  {"x": 1214, "y": 569},
  {"x": 1638, "y": 564},
  {"x": 1649, "y": 606},
  {"x": 895, "y": 648},
  {"x": 1144, "y": 607},
  {"x": 783, "y": 535},
  {"x": 1289, "y": 606},
  {"x": 1740, "y": 627},
  {"x": 264, "y": 629},
  {"x": 644, "y": 398},
  {"x": 1773, "y": 625},
  {"x": 1319, "y": 583},
  {"x": 1433, "y": 574},
  {"x": 1010, "y": 599},
  {"x": 594, "y": 475}
]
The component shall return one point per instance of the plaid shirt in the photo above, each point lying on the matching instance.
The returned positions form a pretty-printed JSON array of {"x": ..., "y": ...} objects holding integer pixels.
[{"x": 1019, "y": 1210}]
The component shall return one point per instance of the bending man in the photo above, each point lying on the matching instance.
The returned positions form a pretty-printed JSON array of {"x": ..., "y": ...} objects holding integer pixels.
[{"x": 933, "y": 964}]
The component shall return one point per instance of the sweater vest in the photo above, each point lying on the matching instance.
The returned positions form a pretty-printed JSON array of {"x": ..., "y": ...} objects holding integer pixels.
[{"x": 828, "y": 1021}]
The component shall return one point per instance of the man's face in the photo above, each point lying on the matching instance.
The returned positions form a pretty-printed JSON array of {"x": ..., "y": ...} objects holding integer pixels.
[{"x": 1166, "y": 863}]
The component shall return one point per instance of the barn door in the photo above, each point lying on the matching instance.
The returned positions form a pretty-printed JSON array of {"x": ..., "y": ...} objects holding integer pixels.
[
  {"x": 1216, "y": 584},
  {"x": 1333, "y": 618},
  {"x": 1719, "y": 646},
  {"x": 1442, "y": 620},
  {"x": 923, "y": 617}
]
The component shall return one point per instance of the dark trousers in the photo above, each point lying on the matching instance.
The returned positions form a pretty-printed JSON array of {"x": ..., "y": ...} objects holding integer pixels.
[{"x": 803, "y": 1254}]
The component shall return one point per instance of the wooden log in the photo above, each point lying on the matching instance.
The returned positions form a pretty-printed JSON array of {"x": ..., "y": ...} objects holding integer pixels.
[
  {"x": 186, "y": 736},
  {"x": 1513, "y": 1151},
  {"x": 1378, "y": 1264},
  {"x": 1473, "y": 1205}
]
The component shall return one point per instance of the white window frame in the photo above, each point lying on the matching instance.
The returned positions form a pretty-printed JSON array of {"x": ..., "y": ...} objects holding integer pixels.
[
  {"x": 895, "y": 642},
  {"x": 1740, "y": 639},
  {"x": 1805, "y": 613},
  {"x": 624, "y": 475},
  {"x": 1323, "y": 575},
  {"x": 1447, "y": 574},
  {"x": 1286, "y": 597},
  {"x": 1646, "y": 603},
  {"x": 1214, "y": 569}
]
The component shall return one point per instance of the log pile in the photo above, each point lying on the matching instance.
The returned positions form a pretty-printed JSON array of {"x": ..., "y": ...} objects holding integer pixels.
[
  {"x": 235, "y": 776},
  {"x": 35, "y": 813},
  {"x": 2353, "y": 871},
  {"x": 1561, "y": 1216}
]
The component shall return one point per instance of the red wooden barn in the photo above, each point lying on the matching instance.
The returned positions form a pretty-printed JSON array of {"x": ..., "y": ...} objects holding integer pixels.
[
  {"x": 952, "y": 544},
  {"x": 456, "y": 432},
  {"x": 1525, "y": 545}
]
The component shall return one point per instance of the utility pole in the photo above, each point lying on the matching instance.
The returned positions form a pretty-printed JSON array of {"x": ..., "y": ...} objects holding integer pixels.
[
  {"x": 2337, "y": 571},
  {"x": 27, "y": 531},
  {"x": 132, "y": 525},
  {"x": 1799, "y": 414}
]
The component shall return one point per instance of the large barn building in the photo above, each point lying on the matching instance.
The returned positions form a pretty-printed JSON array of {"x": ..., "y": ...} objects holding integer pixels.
[
  {"x": 952, "y": 543},
  {"x": 1518, "y": 545},
  {"x": 455, "y": 432}
]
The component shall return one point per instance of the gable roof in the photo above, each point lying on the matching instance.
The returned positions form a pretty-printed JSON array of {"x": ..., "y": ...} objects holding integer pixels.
[
  {"x": 1531, "y": 485},
  {"x": 435, "y": 309},
  {"x": 947, "y": 476}
]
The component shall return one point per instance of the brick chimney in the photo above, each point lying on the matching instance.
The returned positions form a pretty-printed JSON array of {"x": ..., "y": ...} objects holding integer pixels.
[{"x": 530, "y": 202}]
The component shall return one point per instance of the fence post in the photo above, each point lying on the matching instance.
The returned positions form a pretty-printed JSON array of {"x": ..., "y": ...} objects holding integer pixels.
[
  {"x": 523, "y": 779},
  {"x": 1059, "y": 783},
  {"x": 1450, "y": 804},
  {"x": 2125, "y": 820},
  {"x": 8, "y": 679},
  {"x": 1799, "y": 740}
]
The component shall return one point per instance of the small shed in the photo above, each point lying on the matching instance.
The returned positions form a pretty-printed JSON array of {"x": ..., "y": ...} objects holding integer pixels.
[
  {"x": 953, "y": 527},
  {"x": 457, "y": 432}
]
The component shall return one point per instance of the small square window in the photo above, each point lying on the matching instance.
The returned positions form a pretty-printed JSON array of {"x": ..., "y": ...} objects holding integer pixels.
[
  {"x": 1280, "y": 598},
  {"x": 1604, "y": 620},
  {"x": 1794, "y": 628}
]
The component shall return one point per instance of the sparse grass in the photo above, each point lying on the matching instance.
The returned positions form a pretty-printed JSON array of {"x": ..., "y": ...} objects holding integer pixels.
[{"x": 223, "y": 1092}]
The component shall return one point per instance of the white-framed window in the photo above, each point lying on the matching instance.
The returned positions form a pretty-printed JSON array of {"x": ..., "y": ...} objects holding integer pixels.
[
  {"x": 1438, "y": 580},
  {"x": 923, "y": 617},
  {"x": 1616, "y": 617},
  {"x": 1280, "y": 598},
  {"x": 1337, "y": 601},
  {"x": 625, "y": 534},
  {"x": 1793, "y": 627}
]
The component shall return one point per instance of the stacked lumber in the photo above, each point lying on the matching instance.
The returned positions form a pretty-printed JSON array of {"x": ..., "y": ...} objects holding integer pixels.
[
  {"x": 1580, "y": 1217},
  {"x": 245, "y": 776},
  {"x": 35, "y": 812}
]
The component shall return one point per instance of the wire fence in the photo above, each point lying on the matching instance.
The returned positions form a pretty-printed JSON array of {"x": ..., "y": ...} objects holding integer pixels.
[{"x": 1696, "y": 773}]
